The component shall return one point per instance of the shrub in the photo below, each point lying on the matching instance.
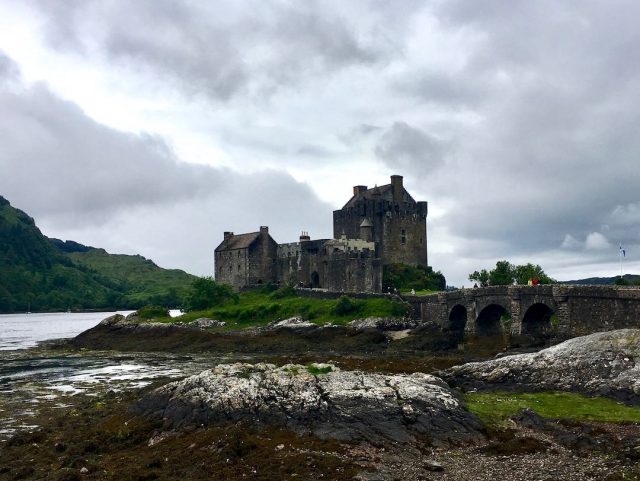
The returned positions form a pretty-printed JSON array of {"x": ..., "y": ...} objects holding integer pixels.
[
  {"x": 149, "y": 312},
  {"x": 205, "y": 293},
  {"x": 345, "y": 306},
  {"x": 283, "y": 292}
]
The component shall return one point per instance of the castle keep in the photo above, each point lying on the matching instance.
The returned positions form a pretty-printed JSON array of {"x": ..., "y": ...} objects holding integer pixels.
[{"x": 376, "y": 227}]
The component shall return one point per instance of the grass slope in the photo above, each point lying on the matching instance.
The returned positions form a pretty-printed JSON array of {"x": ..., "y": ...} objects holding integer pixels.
[
  {"x": 255, "y": 308},
  {"x": 142, "y": 280}
]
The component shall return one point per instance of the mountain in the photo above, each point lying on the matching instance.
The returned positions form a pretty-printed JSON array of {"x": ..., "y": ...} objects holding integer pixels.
[
  {"x": 605, "y": 281},
  {"x": 42, "y": 274}
]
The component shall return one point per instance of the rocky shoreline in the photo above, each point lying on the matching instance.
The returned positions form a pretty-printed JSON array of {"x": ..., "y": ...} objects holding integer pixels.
[{"x": 371, "y": 414}]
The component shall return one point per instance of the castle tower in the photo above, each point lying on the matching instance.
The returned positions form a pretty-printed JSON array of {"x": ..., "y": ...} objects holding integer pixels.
[{"x": 398, "y": 222}]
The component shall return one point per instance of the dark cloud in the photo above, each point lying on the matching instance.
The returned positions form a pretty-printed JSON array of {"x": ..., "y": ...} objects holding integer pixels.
[
  {"x": 220, "y": 50},
  {"x": 128, "y": 192},
  {"x": 406, "y": 148}
]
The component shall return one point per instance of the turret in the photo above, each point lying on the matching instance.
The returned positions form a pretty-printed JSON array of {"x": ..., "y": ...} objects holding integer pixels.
[{"x": 366, "y": 230}]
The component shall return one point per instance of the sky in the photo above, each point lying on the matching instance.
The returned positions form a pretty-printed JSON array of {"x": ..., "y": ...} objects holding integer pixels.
[{"x": 150, "y": 127}]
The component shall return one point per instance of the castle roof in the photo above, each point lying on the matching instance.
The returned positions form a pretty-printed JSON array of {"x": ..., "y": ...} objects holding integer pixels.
[
  {"x": 383, "y": 192},
  {"x": 366, "y": 223},
  {"x": 240, "y": 241}
]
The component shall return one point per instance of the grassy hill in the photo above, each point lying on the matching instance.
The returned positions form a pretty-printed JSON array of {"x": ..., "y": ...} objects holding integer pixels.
[
  {"x": 42, "y": 274},
  {"x": 142, "y": 279},
  {"x": 632, "y": 279}
]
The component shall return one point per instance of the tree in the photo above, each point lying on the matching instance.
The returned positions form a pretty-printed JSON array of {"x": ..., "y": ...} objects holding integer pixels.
[
  {"x": 523, "y": 273},
  {"x": 502, "y": 275},
  {"x": 481, "y": 278},
  {"x": 205, "y": 292},
  {"x": 505, "y": 274}
]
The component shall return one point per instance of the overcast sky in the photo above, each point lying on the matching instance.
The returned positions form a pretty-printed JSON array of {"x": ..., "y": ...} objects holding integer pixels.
[{"x": 153, "y": 126}]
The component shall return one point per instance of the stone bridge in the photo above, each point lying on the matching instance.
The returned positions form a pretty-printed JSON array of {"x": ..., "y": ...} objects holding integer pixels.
[{"x": 561, "y": 311}]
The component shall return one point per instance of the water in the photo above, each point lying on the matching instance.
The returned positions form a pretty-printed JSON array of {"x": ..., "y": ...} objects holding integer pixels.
[
  {"x": 20, "y": 331},
  {"x": 32, "y": 377}
]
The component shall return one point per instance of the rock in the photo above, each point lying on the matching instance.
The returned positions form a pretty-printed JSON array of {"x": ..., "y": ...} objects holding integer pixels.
[
  {"x": 293, "y": 322},
  {"x": 84, "y": 470},
  {"x": 343, "y": 405},
  {"x": 113, "y": 320},
  {"x": 601, "y": 364},
  {"x": 204, "y": 323},
  {"x": 384, "y": 323},
  {"x": 434, "y": 466}
]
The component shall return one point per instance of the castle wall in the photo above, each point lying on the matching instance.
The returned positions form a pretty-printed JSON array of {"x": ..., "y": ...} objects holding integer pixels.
[
  {"x": 232, "y": 267},
  {"x": 261, "y": 261}
]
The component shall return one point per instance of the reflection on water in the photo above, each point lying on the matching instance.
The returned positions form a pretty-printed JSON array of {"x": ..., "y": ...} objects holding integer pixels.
[{"x": 20, "y": 331}]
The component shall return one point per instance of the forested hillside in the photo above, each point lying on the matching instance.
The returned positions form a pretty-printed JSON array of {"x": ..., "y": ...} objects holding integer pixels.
[{"x": 42, "y": 274}]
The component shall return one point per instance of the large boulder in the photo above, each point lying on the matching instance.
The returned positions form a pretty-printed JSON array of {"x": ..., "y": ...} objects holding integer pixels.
[
  {"x": 604, "y": 363},
  {"x": 344, "y": 405}
]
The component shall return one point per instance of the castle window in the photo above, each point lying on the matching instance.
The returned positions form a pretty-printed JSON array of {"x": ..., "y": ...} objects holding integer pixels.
[
  {"x": 238, "y": 266},
  {"x": 238, "y": 253},
  {"x": 403, "y": 236},
  {"x": 230, "y": 268}
]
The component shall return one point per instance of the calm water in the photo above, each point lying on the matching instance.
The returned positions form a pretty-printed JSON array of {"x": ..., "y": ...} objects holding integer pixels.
[{"x": 20, "y": 331}]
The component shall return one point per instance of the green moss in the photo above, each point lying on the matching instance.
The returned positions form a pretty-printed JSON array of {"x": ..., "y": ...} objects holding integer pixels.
[
  {"x": 318, "y": 370},
  {"x": 495, "y": 408}
]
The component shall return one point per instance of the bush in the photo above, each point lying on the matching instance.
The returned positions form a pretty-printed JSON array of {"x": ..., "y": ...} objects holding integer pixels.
[
  {"x": 205, "y": 293},
  {"x": 345, "y": 306},
  {"x": 150, "y": 312},
  {"x": 283, "y": 292},
  {"x": 405, "y": 277}
]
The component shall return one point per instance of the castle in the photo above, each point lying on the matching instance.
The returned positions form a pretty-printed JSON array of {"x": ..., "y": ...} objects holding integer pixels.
[{"x": 376, "y": 227}]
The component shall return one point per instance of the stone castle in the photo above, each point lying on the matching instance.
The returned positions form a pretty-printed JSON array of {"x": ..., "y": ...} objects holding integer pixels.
[{"x": 376, "y": 227}]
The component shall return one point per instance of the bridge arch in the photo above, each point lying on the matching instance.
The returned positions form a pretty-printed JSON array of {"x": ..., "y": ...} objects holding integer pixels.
[
  {"x": 457, "y": 318},
  {"x": 537, "y": 320},
  {"x": 489, "y": 322}
]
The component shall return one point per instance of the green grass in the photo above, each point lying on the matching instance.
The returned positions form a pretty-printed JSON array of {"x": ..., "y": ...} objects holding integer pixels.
[
  {"x": 421, "y": 292},
  {"x": 255, "y": 308},
  {"x": 495, "y": 408}
]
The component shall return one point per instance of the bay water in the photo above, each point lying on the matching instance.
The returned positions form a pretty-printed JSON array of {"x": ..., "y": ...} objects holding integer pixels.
[{"x": 32, "y": 376}]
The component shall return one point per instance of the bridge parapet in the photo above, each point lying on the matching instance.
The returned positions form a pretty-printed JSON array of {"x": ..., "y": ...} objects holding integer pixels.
[{"x": 573, "y": 309}]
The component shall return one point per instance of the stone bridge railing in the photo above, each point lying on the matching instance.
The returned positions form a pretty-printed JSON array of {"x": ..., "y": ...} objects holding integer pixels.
[{"x": 562, "y": 310}]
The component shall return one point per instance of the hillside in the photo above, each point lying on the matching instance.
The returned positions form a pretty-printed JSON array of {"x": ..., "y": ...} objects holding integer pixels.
[
  {"x": 42, "y": 274},
  {"x": 604, "y": 281}
]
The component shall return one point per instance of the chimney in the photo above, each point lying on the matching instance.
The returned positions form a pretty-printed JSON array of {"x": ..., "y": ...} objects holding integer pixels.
[
  {"x": 359, "y": 189},
  {"x": 264, "y": 229},
  {"x": 227, "y": 234},
  {"x": 396, "y": 188},
  {"x": 304, "y": 236}
]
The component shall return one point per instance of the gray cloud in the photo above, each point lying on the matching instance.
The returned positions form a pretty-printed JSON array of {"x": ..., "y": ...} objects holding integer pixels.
[
  {"x": 130, "y": 193},
  {"x": 519, "y": 119},
  {"x": 221, "y": 50},
  {"x": 410, "y": 149}
]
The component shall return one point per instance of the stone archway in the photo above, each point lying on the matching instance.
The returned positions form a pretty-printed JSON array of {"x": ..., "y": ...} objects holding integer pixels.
[
  {"x": 489, "y": 322},
  {"x": 537, "y": 320},
  {"x": 457, "y": 318},
  {"x": 315, "y": 279}
]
